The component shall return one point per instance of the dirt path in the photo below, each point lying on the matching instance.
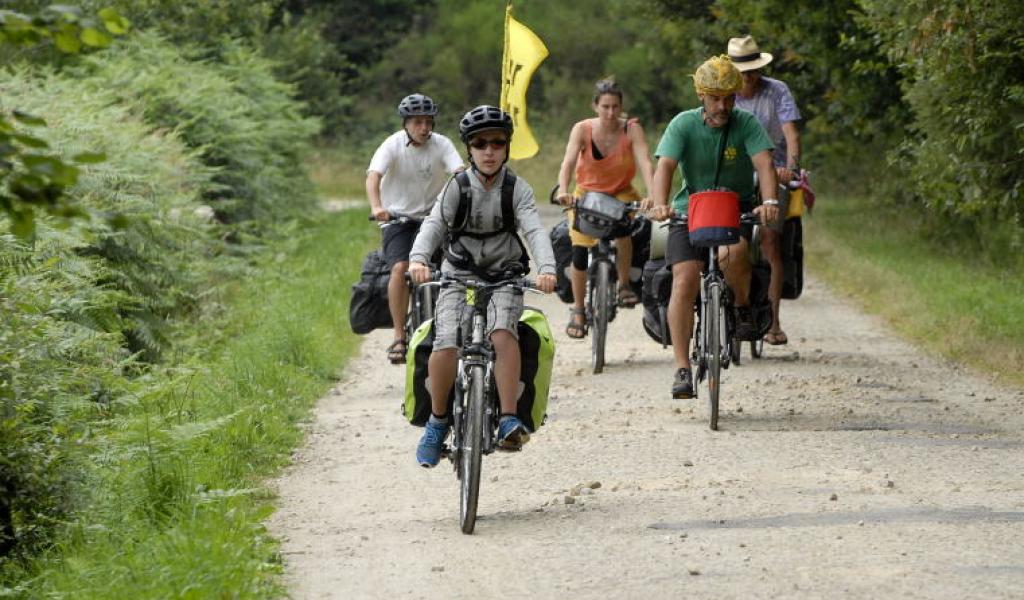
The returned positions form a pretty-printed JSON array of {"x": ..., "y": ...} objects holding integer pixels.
[{"x": 848, "y": 465}]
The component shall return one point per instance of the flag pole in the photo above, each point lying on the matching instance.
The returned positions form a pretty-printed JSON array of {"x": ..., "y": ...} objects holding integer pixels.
[{"x": 504, "y": 58}]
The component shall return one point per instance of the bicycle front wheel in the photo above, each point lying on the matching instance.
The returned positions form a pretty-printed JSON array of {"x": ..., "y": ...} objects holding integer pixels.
[
  {"x": 599, "y": 300},
  {"x": 471, "y": 450},
  {"x": 713, "y": 349}
]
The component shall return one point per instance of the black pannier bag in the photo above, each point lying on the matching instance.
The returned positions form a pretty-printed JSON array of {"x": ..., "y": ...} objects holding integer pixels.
[
  {"x": 641, "y": 235},
  {"x": 368, "y": 308},
  {"x": 562, "y": 246},
  {"x": 792, "y": 258},
  {"x": 656, "y": 291},
  {"x": 760, "y": 303}
]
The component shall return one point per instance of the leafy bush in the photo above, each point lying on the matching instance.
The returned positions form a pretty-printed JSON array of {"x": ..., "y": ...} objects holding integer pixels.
[
  {"x": 88, "y": 303},
  {"x": 963, "y": 67},
  {"x": 84, "y": 298},
  {"x": 244, "y": 123}
]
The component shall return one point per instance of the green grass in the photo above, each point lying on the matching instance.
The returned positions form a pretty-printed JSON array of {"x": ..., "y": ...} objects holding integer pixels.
[
  {"x": 340, "y": 173},
  {"x": 176, "y": 500},
  {"x": 943, "y": 295}
]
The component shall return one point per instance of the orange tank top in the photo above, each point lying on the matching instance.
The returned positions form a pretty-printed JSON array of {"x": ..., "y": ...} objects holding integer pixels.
[{"x": 613, "y": 172}]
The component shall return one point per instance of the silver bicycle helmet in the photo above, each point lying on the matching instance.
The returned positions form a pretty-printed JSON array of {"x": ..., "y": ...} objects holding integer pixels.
[
  {"x": 484, "y": 118},
  {"x": 417, "y": 105}
]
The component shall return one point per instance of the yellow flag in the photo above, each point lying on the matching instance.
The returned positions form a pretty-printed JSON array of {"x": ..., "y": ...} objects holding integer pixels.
[{"x": 524, "y": 52}]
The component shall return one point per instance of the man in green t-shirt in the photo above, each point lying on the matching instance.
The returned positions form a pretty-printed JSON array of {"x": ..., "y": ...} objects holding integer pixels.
[{"x": 692, "y": 141}]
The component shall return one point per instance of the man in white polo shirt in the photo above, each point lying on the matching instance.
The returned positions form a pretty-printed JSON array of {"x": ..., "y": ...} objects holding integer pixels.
[{"x": 405, "y": 176}]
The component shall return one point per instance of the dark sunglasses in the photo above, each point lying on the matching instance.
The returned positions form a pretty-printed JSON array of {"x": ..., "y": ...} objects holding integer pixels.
[{"x": 480, "y": 144}]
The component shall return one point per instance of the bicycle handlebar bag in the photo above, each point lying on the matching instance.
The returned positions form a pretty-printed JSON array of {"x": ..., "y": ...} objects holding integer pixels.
[
  {"x": 713, "y": 218},
  {"x": 596, "y": 214}
]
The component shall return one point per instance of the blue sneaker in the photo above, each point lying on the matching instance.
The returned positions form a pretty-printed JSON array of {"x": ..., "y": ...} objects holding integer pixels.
[
  {"x": 428, "y": 451},
  {"x": 512, "y": 434}
]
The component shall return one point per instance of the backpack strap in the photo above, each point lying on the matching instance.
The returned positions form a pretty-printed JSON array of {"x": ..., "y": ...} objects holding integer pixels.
[
  {"x": 721, "y": 148},
  {"x": 508, "y": 216},
  {"x": 508, "y": 211},
  {"x": 465, "y": 202}
]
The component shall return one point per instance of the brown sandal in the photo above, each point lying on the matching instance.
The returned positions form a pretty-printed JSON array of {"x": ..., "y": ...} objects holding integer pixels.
[
  {"x": 397, "y": 351},
  {"x": 776, "y": 338},
  {"x": 574, "y": 329},
  {"x": 627, "y": 297}
]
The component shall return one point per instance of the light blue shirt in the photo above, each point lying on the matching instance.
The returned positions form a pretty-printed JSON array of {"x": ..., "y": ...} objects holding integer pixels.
[{"x": 773, "y": 105}]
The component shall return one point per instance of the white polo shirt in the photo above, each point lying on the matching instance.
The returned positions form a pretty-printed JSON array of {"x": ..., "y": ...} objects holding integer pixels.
[{"x": 413, "y": 175}]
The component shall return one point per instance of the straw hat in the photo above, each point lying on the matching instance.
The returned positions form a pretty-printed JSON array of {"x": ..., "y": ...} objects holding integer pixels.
[{"x": 746, "y": 55}]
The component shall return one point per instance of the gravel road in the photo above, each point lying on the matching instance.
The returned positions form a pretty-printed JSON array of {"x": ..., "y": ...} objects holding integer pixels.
[{"x": 848, "y": 464}]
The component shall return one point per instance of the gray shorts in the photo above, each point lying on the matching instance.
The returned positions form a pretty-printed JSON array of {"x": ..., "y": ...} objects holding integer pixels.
[{"x": 503, "y": 312}]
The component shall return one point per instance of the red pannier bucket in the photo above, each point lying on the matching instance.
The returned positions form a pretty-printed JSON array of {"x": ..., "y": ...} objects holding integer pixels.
[{"x": 713, "y": 218}]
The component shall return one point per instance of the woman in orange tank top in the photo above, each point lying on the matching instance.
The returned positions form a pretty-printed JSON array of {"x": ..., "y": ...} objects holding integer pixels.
[{"x": 605, "y": 154}]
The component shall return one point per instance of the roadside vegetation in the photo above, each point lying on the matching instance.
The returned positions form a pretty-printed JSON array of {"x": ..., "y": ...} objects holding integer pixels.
[
  {"x": 175, "y": 476},
  {"x": 942, "y": 293}
]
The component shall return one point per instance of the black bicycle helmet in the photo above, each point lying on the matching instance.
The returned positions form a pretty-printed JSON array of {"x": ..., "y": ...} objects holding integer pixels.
[
  {"x": 484, "y": 118},
  {"x": 417, "y": 105}
]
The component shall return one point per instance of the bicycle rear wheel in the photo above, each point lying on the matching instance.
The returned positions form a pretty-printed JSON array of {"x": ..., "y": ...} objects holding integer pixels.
[
  {"x": 735, "y": 351},
  {"x": 757, "y": 348},
  {"x": 471, "y": 450},
  {"x": 713, "y": 349},
  {"x": 599, "y": 300}
]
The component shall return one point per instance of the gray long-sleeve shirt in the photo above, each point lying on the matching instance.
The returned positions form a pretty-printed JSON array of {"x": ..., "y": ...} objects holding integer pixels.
[{"x": 494, "y": 251}]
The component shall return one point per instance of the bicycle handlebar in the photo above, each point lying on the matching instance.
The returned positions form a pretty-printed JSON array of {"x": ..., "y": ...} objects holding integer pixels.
[
  {"x": 435, "y": 276},
  {"x": 631, "y": 207},
  {"x": 747, "y": 218},
  {"x": 473, "y": 283},
  {"x": 394, "y": 219}
]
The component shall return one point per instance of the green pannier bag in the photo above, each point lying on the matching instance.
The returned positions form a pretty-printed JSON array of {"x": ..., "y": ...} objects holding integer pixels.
[{"x": 537, "y": 354}]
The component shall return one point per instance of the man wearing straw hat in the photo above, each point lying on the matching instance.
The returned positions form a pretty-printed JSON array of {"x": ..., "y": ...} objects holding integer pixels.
[
  {"x": 772, "y": 103},
  {"x": 714, "y": 146}
]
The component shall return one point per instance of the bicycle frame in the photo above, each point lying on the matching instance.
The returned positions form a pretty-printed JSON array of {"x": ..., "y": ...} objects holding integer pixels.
[
  {"x": 602, "y": 291},
  {"x": 476, "y": 408},
  {"x": 713, "y": 332},
  {"x": 600, "y": 302},
  {"x": 422, "y": 299},
  {"x": 477, "y": 352}
]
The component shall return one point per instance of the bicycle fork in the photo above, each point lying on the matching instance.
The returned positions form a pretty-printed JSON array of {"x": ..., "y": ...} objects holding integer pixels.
[{"x": 479, "y": 355}]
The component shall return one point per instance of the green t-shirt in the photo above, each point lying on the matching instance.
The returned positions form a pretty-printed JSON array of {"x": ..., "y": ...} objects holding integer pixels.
[{"x": 690, "y": 141}]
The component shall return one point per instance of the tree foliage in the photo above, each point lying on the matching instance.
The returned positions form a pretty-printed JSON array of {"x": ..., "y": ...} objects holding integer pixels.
[
  {"x": 963, "y": 79},
  {"x": 32, "y": 177}
]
